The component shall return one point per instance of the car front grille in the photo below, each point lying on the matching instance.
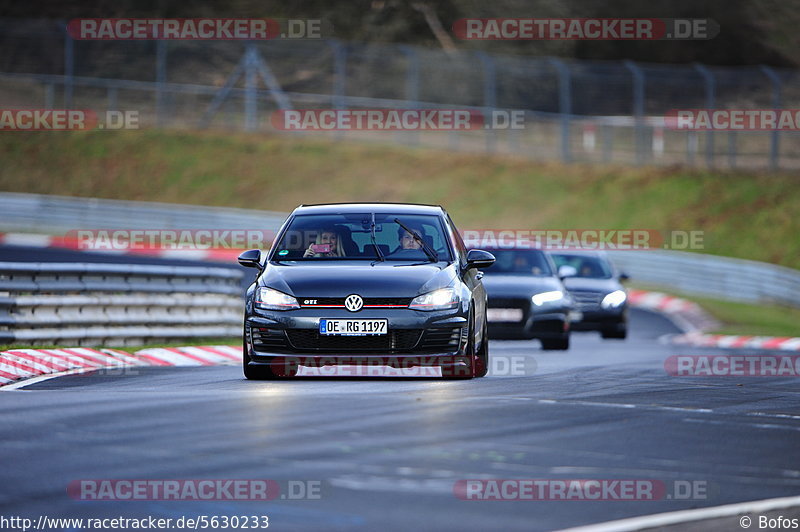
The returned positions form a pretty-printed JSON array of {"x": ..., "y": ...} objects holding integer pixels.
[
  {"x": 587, "y": 299},
  {"x": 395, "y": 340},
  {"x": 368, "y": 301}
]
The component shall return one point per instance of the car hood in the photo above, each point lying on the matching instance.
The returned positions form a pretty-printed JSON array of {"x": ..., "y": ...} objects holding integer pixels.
[
  {"x": 383, "y": 279},
  {"x": 515, "y": 285},
  {"x": 592, "y": 285}
]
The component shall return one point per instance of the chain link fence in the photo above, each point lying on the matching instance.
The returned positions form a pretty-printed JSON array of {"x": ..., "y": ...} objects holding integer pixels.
[{"x": 575, "y": 111}]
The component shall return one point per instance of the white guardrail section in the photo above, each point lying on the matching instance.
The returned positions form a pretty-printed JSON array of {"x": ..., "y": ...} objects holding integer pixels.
[
  {"x": 37, "y": 213},
  {"x": 116, "y": 304},
  {"x": 694, "y": 273},
  {"x": 713, "y": 276}
]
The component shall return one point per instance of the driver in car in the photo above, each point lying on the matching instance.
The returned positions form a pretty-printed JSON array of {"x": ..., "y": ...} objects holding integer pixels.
[{"x": 407, "y": 241}]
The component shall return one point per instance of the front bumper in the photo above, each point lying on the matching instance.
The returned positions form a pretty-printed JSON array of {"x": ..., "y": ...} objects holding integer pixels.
[
  {"x": 550, "y": 325},
  {"x": 413, "y": 337},
  {"x": 599, "y": 319}
]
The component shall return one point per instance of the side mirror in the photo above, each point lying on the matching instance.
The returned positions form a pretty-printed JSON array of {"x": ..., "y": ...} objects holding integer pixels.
[
  {"x": 250, "y": 258},
  {"x": 478, "y": 258},
  {"x": 624, "y": 277},
  {"x": 567, "y": 271}
]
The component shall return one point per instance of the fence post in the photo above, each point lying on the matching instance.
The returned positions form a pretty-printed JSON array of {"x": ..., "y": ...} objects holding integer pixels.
[
  {"x": 49, "y": 91},
  {"x": 339, "y": 79},
  {"x": 564, "y": 104},
  {"x": 711, "y": 87},
  {"x": 412, "y": 85},
  {"x": 489, "y": 98},
  {"x": 777, "y": 86},
  {"x": 250, "y": 87},
  {"x": 638, "y": 109},
  {"x": 69, "y": 67},
  {"x": 161, "y": 80}
]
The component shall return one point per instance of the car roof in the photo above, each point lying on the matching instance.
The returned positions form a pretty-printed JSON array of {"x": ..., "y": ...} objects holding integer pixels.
[{"x": 376, "y": 207}]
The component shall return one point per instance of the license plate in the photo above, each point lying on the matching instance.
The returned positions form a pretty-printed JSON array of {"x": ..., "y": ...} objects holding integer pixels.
[
  {"x": 504, "y": 314},
  {"x": 353, "y": 327}
]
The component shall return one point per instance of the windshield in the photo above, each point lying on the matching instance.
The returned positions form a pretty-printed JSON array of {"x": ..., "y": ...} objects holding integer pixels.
[
  {"x": 520, "y": 262},
  {"x": 588, "y": 266},
  {"x": 334, "y": 237}
]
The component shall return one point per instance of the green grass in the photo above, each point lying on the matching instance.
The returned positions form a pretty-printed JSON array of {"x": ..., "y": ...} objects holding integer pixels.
[
  {"x": 743, "y": 318},
  {"x": 744, "y": 215}
]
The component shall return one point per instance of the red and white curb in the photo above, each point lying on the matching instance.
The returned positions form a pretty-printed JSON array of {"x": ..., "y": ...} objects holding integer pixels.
[
  {"x": 23, "y": 364},
  {"x": 687, "y": 315},
  {"x": 693, "y": 320},
  {"x": 62, "y": 242},
  {"x": 724, "y": 341}
]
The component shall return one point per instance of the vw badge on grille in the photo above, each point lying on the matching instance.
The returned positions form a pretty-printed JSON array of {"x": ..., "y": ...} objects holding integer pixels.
[{"x": 353, "y": 302}]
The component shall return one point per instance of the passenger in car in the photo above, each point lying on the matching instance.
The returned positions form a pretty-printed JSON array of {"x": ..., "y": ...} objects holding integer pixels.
[{"x": 327, "y": 239}]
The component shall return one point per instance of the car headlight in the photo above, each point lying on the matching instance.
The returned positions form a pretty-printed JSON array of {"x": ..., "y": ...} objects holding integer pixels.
[
  {"x": 269, "y": 299},
  {"x": 441, "y": 299},
  {"x": 614, "y": 299},
  {"x": 547, "y": 297}
]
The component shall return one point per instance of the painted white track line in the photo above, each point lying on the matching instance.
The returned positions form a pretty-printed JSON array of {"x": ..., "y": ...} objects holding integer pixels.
[{"x": 688, "y": 516}]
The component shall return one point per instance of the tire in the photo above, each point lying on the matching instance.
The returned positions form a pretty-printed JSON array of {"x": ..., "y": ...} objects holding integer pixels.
[
  {"x": 482, "y": 356},
  {"x": 451, "y": 373},
  {"x": 555, "y": 344},
  {"x": 255, "y": 373}
]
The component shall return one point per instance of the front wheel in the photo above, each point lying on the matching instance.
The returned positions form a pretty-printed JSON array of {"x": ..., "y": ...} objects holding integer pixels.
[
  {"x": 469, "y": 370},
  {"x": 482, "y": 356}
]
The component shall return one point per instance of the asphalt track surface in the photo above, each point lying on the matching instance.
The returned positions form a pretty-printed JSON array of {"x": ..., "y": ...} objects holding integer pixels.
[{"x": 388, "y": 452}]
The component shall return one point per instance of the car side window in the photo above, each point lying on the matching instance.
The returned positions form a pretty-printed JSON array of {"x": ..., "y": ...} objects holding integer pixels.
[{"x": 461, "y": 248}]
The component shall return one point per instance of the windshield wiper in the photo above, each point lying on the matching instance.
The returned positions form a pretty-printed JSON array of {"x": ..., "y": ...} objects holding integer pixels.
[
  {"x": 374, "y": 242},
  {"x": 425, "y": 247}
]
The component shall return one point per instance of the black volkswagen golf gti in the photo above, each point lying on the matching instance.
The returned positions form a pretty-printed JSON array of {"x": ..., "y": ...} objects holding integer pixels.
[{"x": 366, "y": 284}]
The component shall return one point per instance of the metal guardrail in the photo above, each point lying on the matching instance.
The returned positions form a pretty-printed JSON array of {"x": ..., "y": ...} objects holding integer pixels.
[
  {"x": 718, "y": 277},
  {"x": 714, "y": 276},
  {"x": 116, "y": 304},
  {"x": 59, "y": 214}
]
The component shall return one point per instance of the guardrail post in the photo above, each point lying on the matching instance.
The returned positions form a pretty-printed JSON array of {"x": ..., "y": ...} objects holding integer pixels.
[
  {"x": 161, "y": 80},
  {"x": 638, "y": 109},
  {"x": 489, "y": 98},
  {"x": 777, "y": 89},
  {"x": 112, "y": 99},
  {"x": 564, "y": 105},
  {"x": 732, "y": 149},
  {"x": 711, "y": 86}
]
